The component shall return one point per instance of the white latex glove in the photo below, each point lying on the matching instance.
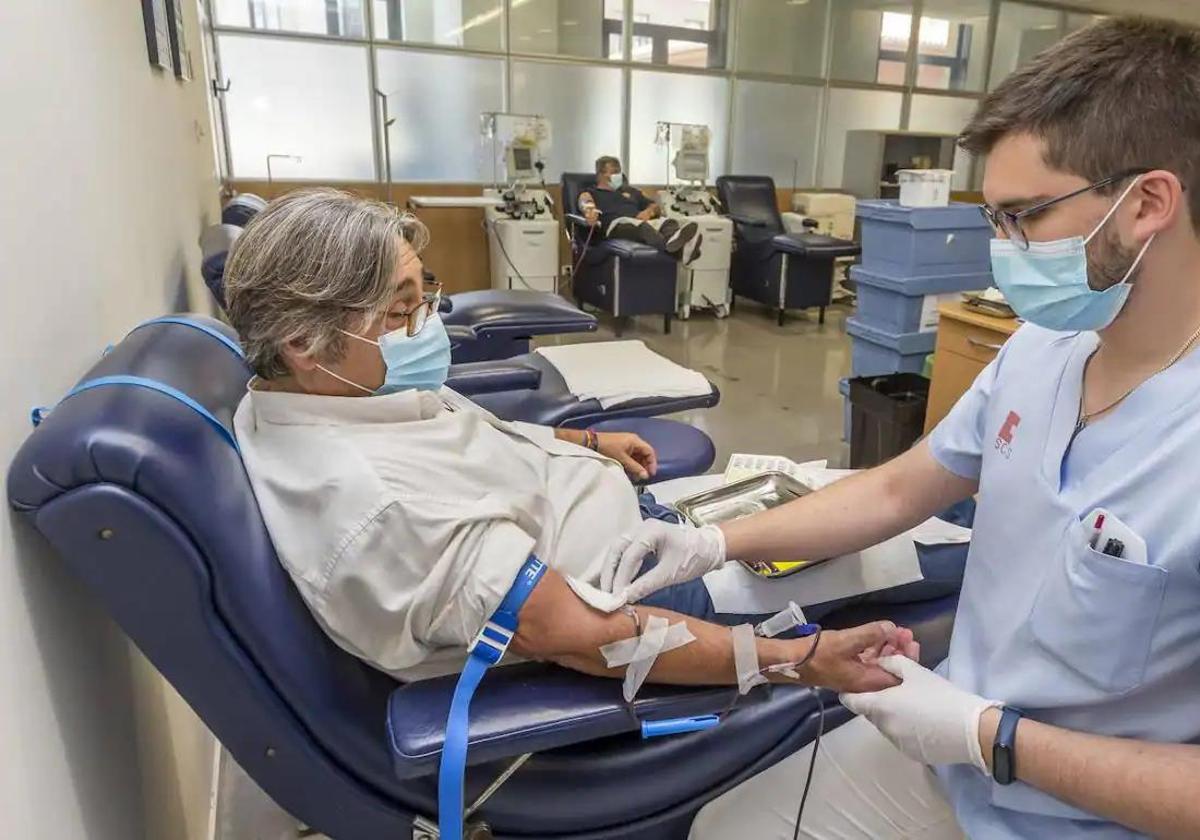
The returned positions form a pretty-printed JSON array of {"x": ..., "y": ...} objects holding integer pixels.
[
  {"x": 684, "y": 553},
  {"x": 927, "y": 717}
]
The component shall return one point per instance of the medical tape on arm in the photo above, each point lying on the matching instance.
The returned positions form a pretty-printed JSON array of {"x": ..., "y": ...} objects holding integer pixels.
[
  {"x": 745, "y": 658},
  {"x": 639, "y": 654},
  {"x": 784, "y": 620}
]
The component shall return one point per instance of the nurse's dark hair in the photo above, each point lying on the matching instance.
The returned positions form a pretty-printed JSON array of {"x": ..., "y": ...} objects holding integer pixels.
[
  {"x": 604, "y": 161},
  {"x": 313, "y": 263},
  {"x": 1121, "y": 94}
]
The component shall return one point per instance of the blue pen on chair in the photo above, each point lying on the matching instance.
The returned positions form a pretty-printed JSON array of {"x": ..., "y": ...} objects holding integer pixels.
[{"x": 677, "y": 726}]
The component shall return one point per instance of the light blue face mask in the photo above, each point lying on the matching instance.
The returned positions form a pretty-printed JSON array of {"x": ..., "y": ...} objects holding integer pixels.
[
  {"x": 418, "y": 362},
  {"x": 616, "y": 180},
  {"x": 1048, "y": 284}
]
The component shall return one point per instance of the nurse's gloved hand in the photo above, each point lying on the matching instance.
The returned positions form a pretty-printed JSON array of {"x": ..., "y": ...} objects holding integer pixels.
[
  {"x": 927, "y": 717},
  {"x": 684, "y": 553}
]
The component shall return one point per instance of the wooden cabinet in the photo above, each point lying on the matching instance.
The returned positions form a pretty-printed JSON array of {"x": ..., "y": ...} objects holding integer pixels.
[{"x": 966, "y": 342}]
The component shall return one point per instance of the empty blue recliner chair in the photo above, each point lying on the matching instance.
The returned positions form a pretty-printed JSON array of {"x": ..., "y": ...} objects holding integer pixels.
[
  {"x": 617, "y": 276},
  {"x": 782, "y": 270},
  {"x": 136, "y": 482}
]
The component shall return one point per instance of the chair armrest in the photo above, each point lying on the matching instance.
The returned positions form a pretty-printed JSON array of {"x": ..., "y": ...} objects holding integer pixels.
[
  {"x": 815, "y": 245},
  {"x": 489, "y": 377},
  {"x": 746, "y": 220},
  {"x": 576, "y": 219},
  {"x": 461, "y": 334},
  {"x": 534, "y": 707}
]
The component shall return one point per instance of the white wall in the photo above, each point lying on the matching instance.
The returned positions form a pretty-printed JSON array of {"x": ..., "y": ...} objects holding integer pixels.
[{"x": 107, "y": 177}]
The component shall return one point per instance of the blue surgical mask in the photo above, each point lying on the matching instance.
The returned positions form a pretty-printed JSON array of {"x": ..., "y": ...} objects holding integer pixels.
[
  {"x": 616, "y": 180},
  {"x": 1048, "y": 284},
  {"x": 418, "y": 362}
]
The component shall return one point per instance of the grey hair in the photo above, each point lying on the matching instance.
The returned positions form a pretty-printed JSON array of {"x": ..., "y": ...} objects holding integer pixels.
[{"x": 314, "y": 262}]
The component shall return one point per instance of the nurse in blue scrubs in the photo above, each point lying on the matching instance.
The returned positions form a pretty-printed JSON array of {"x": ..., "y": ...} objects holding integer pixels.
[{"x": 1069, "y": 705}]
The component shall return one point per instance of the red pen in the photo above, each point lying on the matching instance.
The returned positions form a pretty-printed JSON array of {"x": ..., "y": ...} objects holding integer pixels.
[{"x": 1096, "y": 529}]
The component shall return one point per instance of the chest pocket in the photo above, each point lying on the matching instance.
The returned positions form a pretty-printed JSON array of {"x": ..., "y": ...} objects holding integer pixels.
[{"x": 1098, "y": 614}]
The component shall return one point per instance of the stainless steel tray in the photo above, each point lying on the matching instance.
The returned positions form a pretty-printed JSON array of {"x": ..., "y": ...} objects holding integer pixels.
[{"x": 744, "y": 498}]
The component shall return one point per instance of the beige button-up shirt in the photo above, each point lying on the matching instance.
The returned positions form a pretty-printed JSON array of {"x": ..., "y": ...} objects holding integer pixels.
[{"x": 403, "y": 519}]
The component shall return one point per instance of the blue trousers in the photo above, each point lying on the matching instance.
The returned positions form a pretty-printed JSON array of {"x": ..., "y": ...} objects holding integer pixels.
[{"x": 941, "y": 566}]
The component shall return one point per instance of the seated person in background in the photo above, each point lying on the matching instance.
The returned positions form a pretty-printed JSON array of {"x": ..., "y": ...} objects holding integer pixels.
[
  {"x": 623, "y": 212},
  {"x": 403, "y": 511}
]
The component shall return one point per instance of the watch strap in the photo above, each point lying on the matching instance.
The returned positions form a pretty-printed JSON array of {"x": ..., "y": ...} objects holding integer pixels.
[{"x": 1004, "y": 749}]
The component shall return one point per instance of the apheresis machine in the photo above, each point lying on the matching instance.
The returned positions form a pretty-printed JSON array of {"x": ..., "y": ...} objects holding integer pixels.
[
  {"x": 703, "y": 283},
  {"x": 521, "y": 229}
]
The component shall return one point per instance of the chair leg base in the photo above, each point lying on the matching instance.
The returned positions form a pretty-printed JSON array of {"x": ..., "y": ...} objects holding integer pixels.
[
  {"x": 821, "y": 316},
  {"x": 782, "y": 316},
  {"x": 667, "y": 324}
]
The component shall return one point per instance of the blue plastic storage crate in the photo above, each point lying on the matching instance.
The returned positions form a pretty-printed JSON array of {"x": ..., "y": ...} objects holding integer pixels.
[
  {"x": 874, "y": 351},
  {"x": 898, "y": 305},
  {"x": 923, "y": 241}
]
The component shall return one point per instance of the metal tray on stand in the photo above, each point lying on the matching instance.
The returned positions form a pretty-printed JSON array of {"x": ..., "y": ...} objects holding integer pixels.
[{"x": 744, "y": 498}]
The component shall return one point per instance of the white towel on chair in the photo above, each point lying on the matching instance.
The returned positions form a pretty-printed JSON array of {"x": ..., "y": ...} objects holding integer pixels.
[{"x": 616, "y": 372}]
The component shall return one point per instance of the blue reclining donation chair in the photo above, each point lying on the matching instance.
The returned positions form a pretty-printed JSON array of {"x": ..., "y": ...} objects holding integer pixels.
[
  {"x": 135, "y": 480},
  {"x": 617, "y": 276},
  {"x": 782, "y": 270}
]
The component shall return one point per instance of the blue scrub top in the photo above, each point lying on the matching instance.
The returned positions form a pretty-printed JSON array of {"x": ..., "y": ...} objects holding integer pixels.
[{"x": 1073, "y": 637}]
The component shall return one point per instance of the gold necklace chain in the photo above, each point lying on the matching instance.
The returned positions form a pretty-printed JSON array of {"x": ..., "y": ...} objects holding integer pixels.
[{"x": 1086, "y": 417}]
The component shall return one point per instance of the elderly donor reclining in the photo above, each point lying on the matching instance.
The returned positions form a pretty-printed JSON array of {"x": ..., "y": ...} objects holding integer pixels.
[{"x": 402, "y": 510}]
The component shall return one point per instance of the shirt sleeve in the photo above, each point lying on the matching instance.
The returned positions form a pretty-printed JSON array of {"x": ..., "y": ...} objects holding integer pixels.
[
  {"x": 957, "y": 442},
  {"x": 414, "y": 582},
  {"x": 534, "y": 431}
]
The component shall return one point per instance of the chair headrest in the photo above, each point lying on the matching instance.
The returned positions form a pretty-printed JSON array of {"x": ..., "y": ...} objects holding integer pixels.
[
  {"x": 574, "y": 183},
  {"x": 751, "y": 197},
  {"x": 218, "y": 239},
  {"x": 240, "y": 209},
  {"x": 215, "y": 243}
]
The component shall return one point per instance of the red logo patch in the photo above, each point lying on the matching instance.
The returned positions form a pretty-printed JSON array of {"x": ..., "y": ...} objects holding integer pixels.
[
  {"x": 1004, "y": 437},
  {"x": 1010, "y": 424}
]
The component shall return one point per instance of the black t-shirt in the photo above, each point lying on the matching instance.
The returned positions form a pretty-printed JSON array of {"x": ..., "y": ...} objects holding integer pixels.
[{"x": 612, "y": 204}]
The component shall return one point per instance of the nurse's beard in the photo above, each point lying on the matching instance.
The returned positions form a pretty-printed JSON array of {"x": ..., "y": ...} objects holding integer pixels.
[{"x": 1108, "y": 262}]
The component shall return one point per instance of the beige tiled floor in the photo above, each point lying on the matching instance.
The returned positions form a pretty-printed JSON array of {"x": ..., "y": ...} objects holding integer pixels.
[{"x": 778, "y": 384}]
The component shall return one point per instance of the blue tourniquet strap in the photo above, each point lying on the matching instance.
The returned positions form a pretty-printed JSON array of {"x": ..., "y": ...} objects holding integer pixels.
[
  {"x": 152, "y": 384},
  {"x": 486, "y": 651}
]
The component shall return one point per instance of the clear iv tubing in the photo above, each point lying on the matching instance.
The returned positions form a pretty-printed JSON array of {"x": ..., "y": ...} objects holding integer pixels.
[
  {"x": 583, "y": 253},
  {"x": 812, "y": 764}
]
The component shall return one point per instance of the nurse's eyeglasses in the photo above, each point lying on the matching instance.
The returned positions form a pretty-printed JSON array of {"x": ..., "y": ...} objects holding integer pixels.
[{"x": 1009, "y": 222}]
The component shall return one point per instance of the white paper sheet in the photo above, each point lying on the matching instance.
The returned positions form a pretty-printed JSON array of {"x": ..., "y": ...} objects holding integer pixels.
[
  {"x": 616, "y": 372},
  {"x": 741, "y": 466},
  {"x": 734, "y": 589},
  {"x": 934, "y": 531}
]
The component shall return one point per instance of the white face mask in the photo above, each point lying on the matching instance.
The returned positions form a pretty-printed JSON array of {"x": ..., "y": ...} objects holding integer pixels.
[
  {"x": 616, "y": 180},
  {"x": 414, "y": 362}
]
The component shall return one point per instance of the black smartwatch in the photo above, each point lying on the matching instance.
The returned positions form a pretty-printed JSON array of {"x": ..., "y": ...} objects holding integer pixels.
[{"x": 1004, "y": 752}]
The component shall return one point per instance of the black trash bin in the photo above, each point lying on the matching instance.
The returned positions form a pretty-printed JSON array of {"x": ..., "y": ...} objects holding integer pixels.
[{"x": 887, "y": 414}]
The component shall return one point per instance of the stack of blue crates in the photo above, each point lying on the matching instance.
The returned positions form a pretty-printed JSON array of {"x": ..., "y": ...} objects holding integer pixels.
[{"x": 909, "y": 254}]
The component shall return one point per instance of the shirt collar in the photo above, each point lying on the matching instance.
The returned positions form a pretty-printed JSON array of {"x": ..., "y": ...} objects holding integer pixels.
[{"x": 287, "y": 408}]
